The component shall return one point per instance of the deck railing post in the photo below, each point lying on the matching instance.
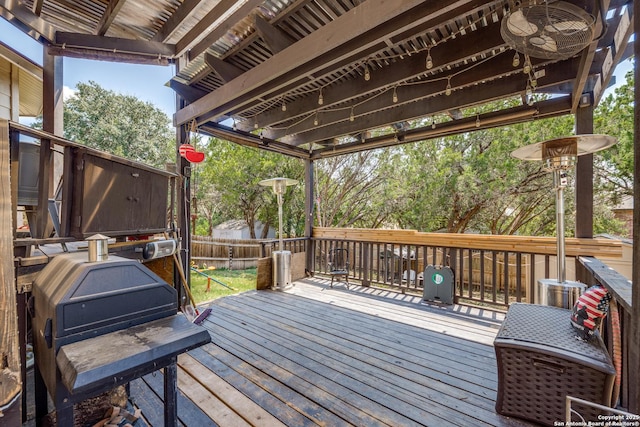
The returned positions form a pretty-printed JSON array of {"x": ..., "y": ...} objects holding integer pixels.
[{"x": 366, "y": 266}]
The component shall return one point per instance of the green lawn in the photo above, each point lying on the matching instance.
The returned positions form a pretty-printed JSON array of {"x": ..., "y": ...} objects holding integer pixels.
[{"x": 238, "y": 280}]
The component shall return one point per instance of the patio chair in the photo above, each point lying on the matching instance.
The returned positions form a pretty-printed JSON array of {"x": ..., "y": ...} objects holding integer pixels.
[{"x": 339, "y": 264}]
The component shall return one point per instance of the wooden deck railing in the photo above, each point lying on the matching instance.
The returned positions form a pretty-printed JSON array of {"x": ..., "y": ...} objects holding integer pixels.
[
  {"x": 616, "y": 331},
  {"x": 494, "y": 270}
]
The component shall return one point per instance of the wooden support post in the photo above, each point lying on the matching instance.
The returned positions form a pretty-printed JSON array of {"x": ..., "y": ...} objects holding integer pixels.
[
  {"x": 634, "y": 325},
  {"x": 10, "y": 384},
  {"x": 171, "y": 394},
  {"x": 183, "y": 206},
  {"x": 308, "y": 211},
  {"x": 584, "y": 177}
]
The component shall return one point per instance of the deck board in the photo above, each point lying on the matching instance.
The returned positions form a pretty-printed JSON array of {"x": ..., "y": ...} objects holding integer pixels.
[{"x": 333, "y": 357}]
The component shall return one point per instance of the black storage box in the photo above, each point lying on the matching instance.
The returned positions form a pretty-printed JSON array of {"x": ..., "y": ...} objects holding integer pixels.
[{"x": 540, "y": 362}]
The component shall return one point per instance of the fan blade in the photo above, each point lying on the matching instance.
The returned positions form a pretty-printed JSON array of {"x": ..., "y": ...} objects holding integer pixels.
[
  {"x": 518, "y": 25},
  {"x": 566, "y": 26},
  {"x": 544, "y": 42}
]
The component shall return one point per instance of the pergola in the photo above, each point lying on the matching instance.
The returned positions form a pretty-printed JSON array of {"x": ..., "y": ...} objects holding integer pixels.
[{"x": 319, "y": 78}]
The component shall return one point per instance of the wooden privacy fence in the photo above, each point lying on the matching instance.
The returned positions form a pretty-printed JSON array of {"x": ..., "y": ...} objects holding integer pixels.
[{"x": 237, "y": 254}]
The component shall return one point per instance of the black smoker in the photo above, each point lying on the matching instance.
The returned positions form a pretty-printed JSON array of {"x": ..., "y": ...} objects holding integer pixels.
[{"x": 76, "y": 300}]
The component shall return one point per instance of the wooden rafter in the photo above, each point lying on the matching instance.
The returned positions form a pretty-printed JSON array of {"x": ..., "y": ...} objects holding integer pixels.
[
  {"x": 209, "y": 29},
  {"x": 273, "y": 37},
  {"x": 184, "y": 11},
  {"x": 226, "y": 71},
  {"x": 28, "y": 20},
  {"x": 368, "y": 24},
  {"x": 585, "y": 61},
  {"x": 378, "y": 117},
  {"x": 403, "y": 70},
  {"x": 114, "y": 44},
  {"x": 109, "y": 15}
]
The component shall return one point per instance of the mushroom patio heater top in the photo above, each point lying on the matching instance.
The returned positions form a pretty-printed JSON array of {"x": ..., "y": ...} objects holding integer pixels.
[
  {"x": 281, "y": 258},
  {"x": 559, "y": 156}
]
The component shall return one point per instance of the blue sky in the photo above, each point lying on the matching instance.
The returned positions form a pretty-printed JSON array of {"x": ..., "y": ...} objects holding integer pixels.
[{"x": 146, "y": 82}]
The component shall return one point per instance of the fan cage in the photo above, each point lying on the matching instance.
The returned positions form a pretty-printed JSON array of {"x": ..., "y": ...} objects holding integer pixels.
[{"x": 549, "y": 31}]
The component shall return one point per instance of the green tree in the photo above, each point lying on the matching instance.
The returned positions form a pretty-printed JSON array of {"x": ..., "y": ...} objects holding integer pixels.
[
  {"x": 614, "y": 166},
  {"x": 233, "y": 172},
  {"x": 119, "y": 124}
]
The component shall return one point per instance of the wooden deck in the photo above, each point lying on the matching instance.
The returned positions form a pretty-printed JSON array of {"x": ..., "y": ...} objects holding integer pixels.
[{"x": 336, "y": 357}]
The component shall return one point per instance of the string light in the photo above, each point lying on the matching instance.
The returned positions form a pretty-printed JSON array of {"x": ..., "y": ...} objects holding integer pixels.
[
  {"x": 448, "y": 89},
  {"x": 315, "y": 119},
  {"x": 516, "y": 60},
  {"x": 320, "y": 98},
  {"x": 527, "y": 65},
  {"x": 528, "y": 90},
  {"x": 477, "y": 121},
  {"x": 367, "y": 72},
  {"x": 534, "y": 83},
  {"x": 433, "y": 124},
  {"x": 429, "y": 63},
  {"x": 255, "y": 123},
  {"x": 352, "y": 117},
  {"x": 395, "y": 95},
  {"x": 284, "y": 105}
]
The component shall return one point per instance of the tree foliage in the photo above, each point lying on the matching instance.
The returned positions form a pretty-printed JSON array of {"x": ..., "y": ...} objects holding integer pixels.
[
  {"x": 119, "y": 124},
  {"x": 614, "y": 116}
]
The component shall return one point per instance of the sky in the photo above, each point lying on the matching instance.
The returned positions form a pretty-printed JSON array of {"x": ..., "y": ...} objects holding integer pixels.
[{"x": 146, "y": 82}]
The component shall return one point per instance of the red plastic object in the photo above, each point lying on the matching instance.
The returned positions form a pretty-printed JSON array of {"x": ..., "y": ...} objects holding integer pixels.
[
  {"x": 194, "y": 156},
  {"x": 186, "y": 148}
]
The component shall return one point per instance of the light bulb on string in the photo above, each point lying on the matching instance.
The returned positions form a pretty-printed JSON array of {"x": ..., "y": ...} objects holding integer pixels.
[
  {"x": 429, "y": 62},
  {"x": 352, "y": 117},
  {"x": 527, "y": 65},
  {"x": 516, "y": 60},
  {"x": 367, "y": 72},
  {"x": 315, "y": 119},
  {"x": 320, "y": 98},
  {"x": 433, "y": 124},
  {"x": 284, "y": 105},
  {"x": 395, "y": 95},
  {"x": 255, "y": 123},
  {"x": 477, "y": 121},
  {"x": 534, "y": 83},
  {"x": 448, "y": 89},
  {"x": 528, "y": 90}
]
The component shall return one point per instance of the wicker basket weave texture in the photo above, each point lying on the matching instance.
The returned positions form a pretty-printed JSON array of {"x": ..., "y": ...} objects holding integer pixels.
[{"x": 540, "y": 362}]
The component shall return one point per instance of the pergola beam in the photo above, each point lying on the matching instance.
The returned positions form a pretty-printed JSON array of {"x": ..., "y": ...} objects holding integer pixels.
[
  {"x": 374, "y": 116},
  {"x": 184, "y": 11},
  {"x": 114, "y": 44},
  {"x": 405, "y": 69},
  {"x": 272, "y": 36},
  {"x": 210, "y": 28},
  {"x": 544, "y": 109},
  {"x": 109, "y": 15},
  {"x": 226, "y": 71},
  {"x": 368, "y": 24},
  {"x": 29, "y": 20},
  {"x": 587, "y": 58}
]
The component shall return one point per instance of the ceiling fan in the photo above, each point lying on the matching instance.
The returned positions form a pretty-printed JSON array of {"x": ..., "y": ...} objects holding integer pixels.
[{"x": 547, "y": 29}]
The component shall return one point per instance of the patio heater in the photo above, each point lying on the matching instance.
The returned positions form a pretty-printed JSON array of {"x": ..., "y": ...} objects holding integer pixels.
[
  {"x": 559, "y": 156},
  {"x": 281, "y": 258}
]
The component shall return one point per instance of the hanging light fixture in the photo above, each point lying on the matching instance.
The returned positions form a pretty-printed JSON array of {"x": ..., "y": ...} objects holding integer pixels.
[
  {"x": 395, "y": 95},
  {"x": 320, "y": 98},
  {"x": 315, "y": 119},
  {"x": 527, "y": 65},
  {"x": 255, "y": 122},
  {"x": 351, "y": 116},
  {"x": 429, "y": 62},
  {"x": 448, "y": 89},
  {"x": 477, "y": 121},
  {"x": 367, "y": 72},
  {"x": 516, "y": 60},
  {"x": 284, "y": 105}
]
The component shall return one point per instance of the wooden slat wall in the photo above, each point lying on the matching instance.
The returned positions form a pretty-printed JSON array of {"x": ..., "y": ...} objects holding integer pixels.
[
  {"x": 5, "y": 90},
  {"x": 522, "y": 244},
  {"x": 10, "y": 384}
]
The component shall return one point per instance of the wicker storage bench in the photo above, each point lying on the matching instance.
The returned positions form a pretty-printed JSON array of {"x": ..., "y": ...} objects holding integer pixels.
[{"x": 540, "y": 362}]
